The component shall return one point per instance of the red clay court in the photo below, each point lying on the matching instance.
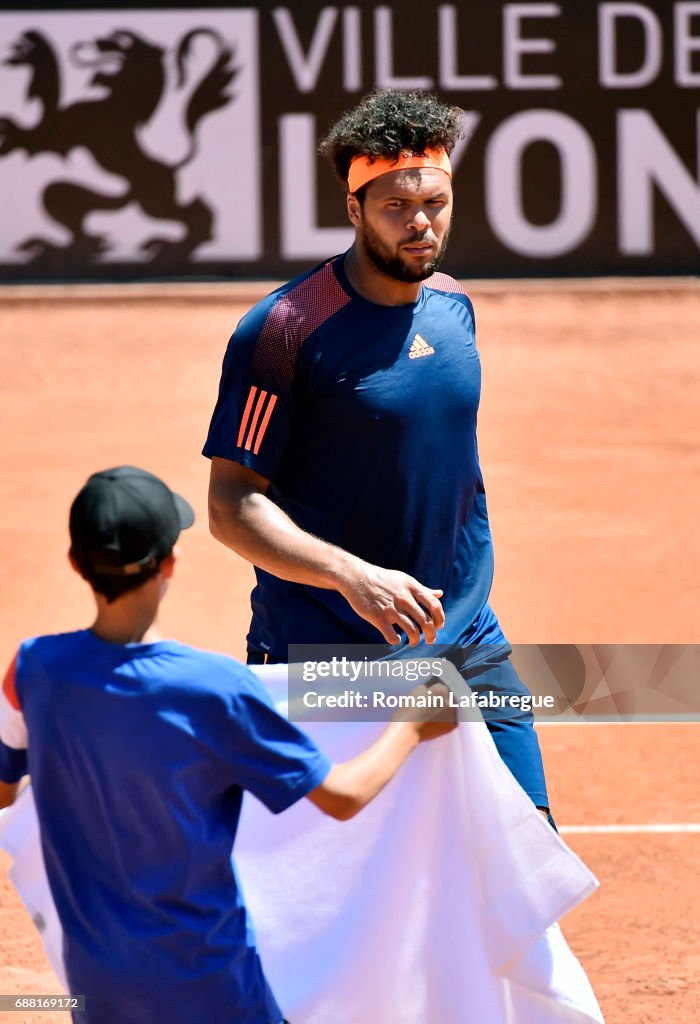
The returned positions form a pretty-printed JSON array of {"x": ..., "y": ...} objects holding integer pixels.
[{"x": 590, "y": 444}]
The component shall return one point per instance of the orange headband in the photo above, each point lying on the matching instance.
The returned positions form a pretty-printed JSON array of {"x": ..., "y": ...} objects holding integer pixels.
[{"x": 364, "y": 169}]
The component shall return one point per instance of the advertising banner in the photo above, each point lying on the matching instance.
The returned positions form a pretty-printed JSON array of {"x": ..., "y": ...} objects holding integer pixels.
[{"x": 182, "y": 141}]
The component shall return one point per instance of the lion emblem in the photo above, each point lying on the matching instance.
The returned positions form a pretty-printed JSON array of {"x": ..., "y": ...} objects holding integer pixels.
[{"x": 132, "y": 74}]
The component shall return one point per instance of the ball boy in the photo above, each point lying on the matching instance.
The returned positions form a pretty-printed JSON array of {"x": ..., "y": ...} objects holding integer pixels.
[{"x": 139, "y": 750}]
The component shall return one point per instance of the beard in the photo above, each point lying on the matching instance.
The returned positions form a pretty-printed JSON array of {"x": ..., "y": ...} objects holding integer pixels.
[{"x": 392, "y": 263}]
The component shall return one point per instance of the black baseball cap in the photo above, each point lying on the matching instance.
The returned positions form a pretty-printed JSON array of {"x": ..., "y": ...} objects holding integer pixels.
[{"x": 124, "y": 521}]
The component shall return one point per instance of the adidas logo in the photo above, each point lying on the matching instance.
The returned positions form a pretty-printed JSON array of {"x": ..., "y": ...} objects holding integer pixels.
[{"x": 420, "y": 347}]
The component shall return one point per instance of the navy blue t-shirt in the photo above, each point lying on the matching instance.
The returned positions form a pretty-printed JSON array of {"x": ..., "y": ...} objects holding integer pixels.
[
  {"x": 363, "y": 417},
  {"x": 139, "y": 755}
]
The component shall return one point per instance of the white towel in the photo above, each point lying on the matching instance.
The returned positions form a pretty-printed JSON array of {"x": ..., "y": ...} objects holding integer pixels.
[{"x": 436, "y": 905}]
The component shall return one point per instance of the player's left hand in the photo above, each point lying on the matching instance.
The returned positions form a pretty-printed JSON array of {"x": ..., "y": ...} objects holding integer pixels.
[{"x": 392, "y": 600}]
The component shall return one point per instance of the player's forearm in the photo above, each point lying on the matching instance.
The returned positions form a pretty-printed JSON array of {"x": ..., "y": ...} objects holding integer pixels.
[
  {"x": 8, "y": 793},
  {"x": 243, "y": 518},
  {"x": 263, "y": 534},
  {"x": 350, "y": 786}
]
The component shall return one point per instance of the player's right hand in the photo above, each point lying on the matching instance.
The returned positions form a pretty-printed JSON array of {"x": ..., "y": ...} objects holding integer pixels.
[{"x": 392, "y": 600}]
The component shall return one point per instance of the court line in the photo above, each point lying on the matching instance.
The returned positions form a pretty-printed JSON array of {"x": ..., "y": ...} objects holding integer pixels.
[
  {"x": 583, "y": 830},
  {"x": 684, "y": 720}
]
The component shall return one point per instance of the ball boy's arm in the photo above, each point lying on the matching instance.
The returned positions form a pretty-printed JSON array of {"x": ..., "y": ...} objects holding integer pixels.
[
  {"x": 13, "y": 737},
  {"x": 350, "y": 786},
  {"x": 242, "y": 517}
]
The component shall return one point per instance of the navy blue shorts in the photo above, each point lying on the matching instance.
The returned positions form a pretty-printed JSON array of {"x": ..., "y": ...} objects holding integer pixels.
[{"x": 513, "y": 730}]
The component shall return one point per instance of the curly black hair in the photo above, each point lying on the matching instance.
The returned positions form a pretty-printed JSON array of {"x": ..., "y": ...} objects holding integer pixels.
[{"x": 387, "y": 122}]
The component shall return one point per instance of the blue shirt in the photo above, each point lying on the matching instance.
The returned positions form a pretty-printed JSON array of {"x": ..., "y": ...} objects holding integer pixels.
[
  {"x": 139, "y": 756},
  {"x": 363, "y": 417}
]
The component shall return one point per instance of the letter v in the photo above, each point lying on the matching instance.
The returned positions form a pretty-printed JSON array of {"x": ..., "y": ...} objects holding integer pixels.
[{"x": 305, "y": 69}]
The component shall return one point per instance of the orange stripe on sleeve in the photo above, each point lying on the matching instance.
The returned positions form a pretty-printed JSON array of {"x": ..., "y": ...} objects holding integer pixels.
[
  {"x": 266, "y": 419},
  {"x": 9, "y": 687},
  {"x": 256, "y": 416},
  {"x": 246, "y": 415}
]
